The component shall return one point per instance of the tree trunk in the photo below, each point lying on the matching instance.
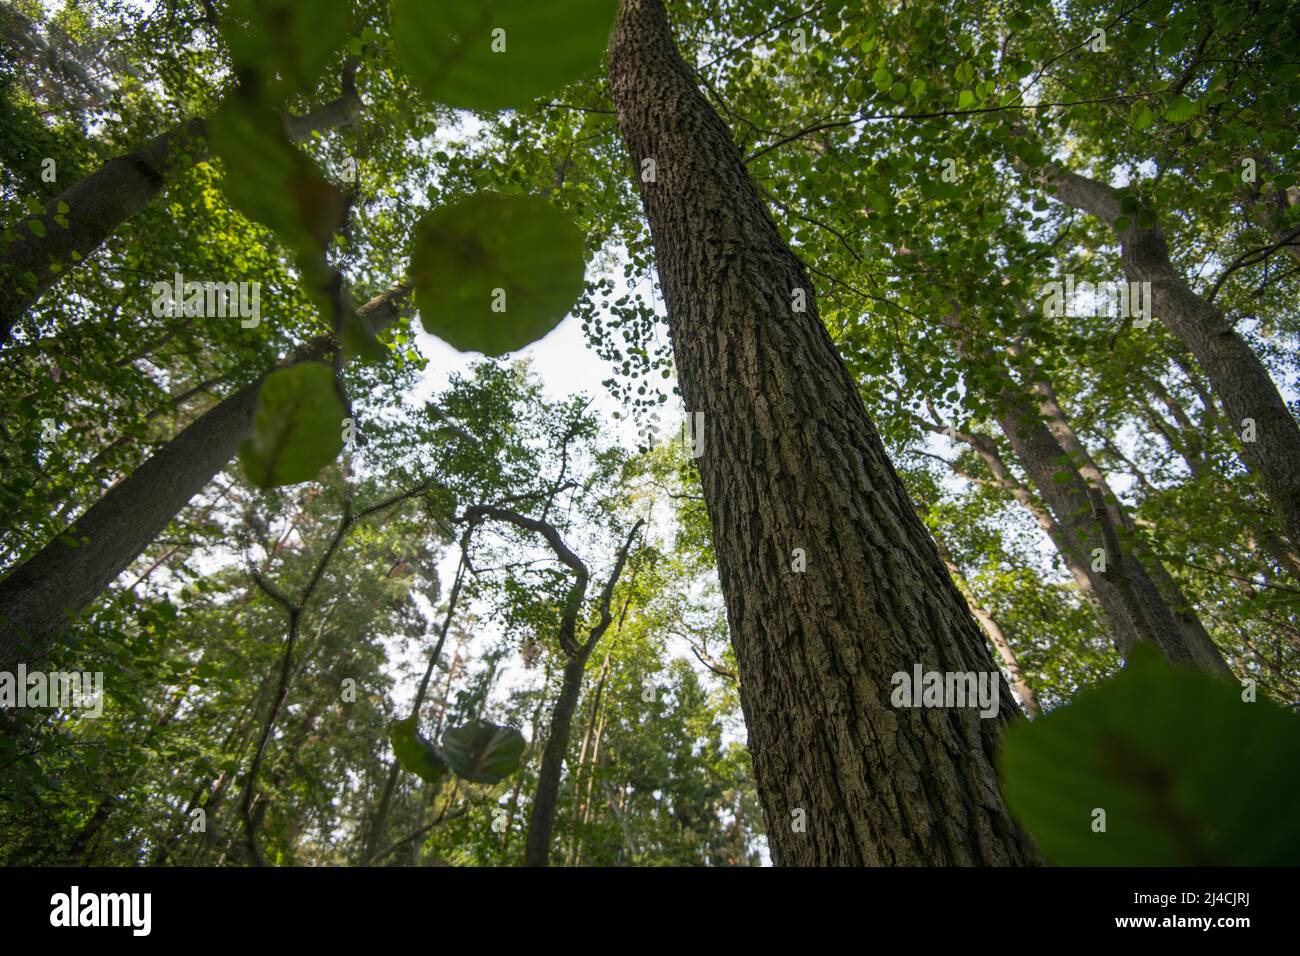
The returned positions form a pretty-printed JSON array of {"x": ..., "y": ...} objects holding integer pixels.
[
  {"x": 1132, "y": 606},
  {"x": 535, "y": 735},
  {"x": 1195, "y": 637},
  {"x": 95, "y": 207},
  {"x": 1236, "y": 374},
  {"x": 791, "y": 460},
  {"x": 541, "y": 818},
  {"x": 372, "y": 844},
  {"x": 580, "y": 802},
  {"x": 987, "y": 449},
  {"x": 56, "y": 584}
]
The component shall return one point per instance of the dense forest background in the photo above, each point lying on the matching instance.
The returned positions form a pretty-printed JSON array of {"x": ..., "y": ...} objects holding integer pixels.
[{"x": 950, "y": 335}]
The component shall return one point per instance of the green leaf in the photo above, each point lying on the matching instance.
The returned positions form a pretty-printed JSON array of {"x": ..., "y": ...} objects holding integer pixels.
[
  {"x": 414, "y": 752},
  {"x": 1188, "y": 774},
  {"x": 286, "y": 42},
  {"x": 494, "y": 54},
  {"x": 483, "y": 753},
  {"x": 1141, "y": 116},
  {"x": 515, "y": 254},
  {"x": 1180, "y": 109},
  {"x": 271, "y": 181},
  {"x": 965, "y": 99},
  {"x": 298, "y": 428},
  {"x": 37, "y": 227}
]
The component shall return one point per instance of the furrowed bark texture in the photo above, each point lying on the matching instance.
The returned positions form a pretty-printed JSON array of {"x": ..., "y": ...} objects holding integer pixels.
[
  {"x": 38, "y": 599},
  {"x": 1236, "y": 374},
  {"x": 791, "y": 460}
]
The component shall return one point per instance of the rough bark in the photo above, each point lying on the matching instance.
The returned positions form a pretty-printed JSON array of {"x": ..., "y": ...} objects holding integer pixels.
[
  {"x": 41, "y": 596},
  {"x": 1236, "y": 374},
  {"x": 99, "y": 204},
  {"x": 791, "y": 460}
]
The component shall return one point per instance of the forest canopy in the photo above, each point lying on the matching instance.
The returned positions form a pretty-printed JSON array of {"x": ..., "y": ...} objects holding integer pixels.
[{"x": 649, "y": 432}]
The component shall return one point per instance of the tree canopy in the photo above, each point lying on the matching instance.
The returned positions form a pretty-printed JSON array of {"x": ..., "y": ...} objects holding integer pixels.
[{"x": 948, "y": 335}]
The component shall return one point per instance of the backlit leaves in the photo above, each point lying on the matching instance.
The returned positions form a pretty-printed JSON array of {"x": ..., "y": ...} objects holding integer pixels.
[
  {"x": 479, "y": 752},
  {"x": 494, "y": 54},
  {"x": 297, "y": 430},
  {"x": 493, "y": 273},
  {"x": 414, "y": 752},
  {"x": 271, "y": 181},
  {"x": 286, "y": 43}
]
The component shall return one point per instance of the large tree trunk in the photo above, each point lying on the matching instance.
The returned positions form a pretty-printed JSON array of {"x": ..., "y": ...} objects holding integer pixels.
[
  {"x": 791, "y": 461},
  {"x": 40, "y": 597},
  {"x": 96, "y": 206},
  {"x": 1236, "y": 374}
]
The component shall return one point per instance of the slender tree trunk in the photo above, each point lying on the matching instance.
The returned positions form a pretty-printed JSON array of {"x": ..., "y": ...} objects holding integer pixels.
[
  {"x": 791, "y": 460},
  {"x": 987, "y": 449},
  {"x": 40, "y": 597},
  {"x": 1195, "y": 637},
  {"x": 1236, "y": 374},
  {"x": 536, "y": 728},
  {"x": 96, "y": 207},
  {"x": 541, "y": 818},
  {"x": 372, "y": 844},
  {"x": 1190, "y": 446},
  {"x": 583, "y": 763},
  {"x": 1133, "y": 607}
]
